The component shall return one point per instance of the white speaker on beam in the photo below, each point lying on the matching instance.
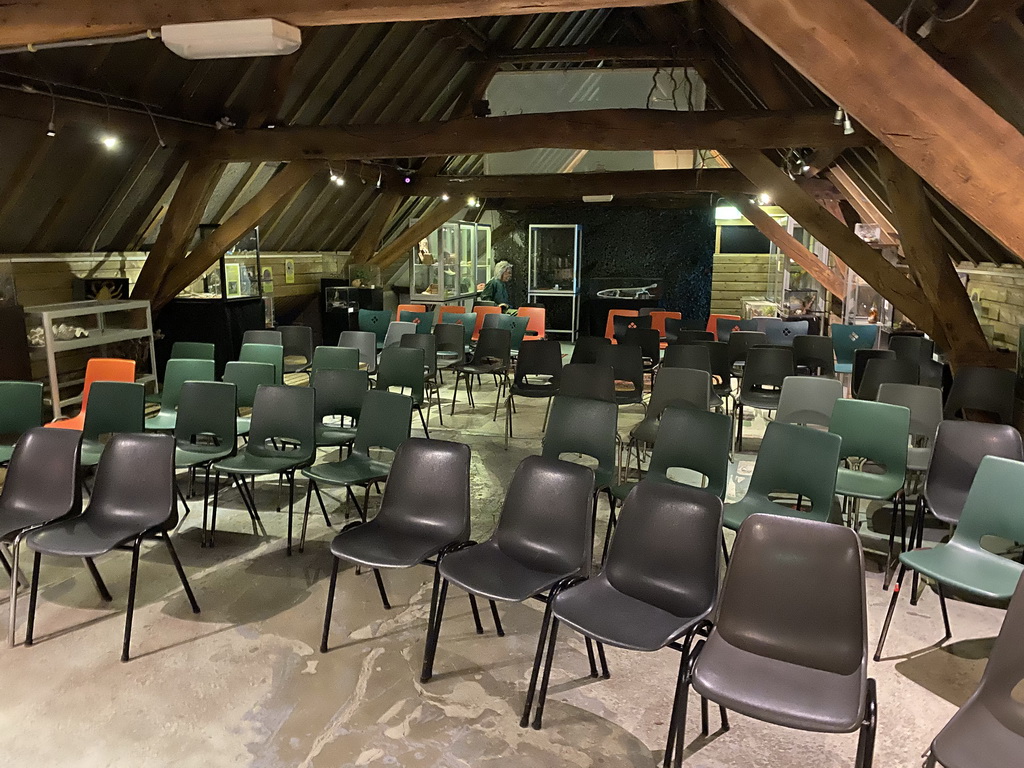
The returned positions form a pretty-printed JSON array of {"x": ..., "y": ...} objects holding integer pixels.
[{"x": 232, "y": 39}]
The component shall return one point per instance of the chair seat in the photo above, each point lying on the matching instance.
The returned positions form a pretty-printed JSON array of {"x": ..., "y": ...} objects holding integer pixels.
[
  {"x": 242, "y": 424},
  {"x": 844, "y": 367},
  {"x": 767, "y": 401},
  {"x": 12, "y": 521},
  {"x": 247, "y": 464},
  {"x": 355, "y": 470},
  {"x": 646, "y": 431},
  {"x": 6, "y": 451},
  {"x": 327, "y": 435},
  {"x": 534, "y": 390},
  {"x": 75, "y": 422},
  {"x": 599, "y": 610},
  {"x": 978, "y": 572},
  {"x": 865, "y": 485},
  {"x": 487, "y": 571},
  {"x": 481, "y": 368},
  {"x": 81, "y": 537},
  {"x": 918, "y": 458},
  {"x": 163, "y": 421},
  {"x": 795, "y": 696},
  {"x": 372, "y": 545},
  {"x": 975, "y": 738},
  {"x": 738, "y": 511},
  {"x": 195, "y": 455},
  {"x": 91, "y": 452}
]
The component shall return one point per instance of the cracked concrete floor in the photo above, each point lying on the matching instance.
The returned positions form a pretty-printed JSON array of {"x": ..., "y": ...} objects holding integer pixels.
[{"x": 243, "y": 683}]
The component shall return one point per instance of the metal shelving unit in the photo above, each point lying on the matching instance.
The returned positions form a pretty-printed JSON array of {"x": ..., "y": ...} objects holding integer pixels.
[{"x": 106, "y": 330}]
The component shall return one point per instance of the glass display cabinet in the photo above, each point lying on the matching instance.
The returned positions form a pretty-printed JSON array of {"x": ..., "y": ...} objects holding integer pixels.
[
  {"x": 238, "y": 274},
  {"x": 554, "y": 274},
  {"x": 450, "y": 263},
  {"x": 864, "y": 305}
]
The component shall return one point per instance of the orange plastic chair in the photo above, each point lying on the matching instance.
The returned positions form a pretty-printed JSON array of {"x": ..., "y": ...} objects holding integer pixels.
[
  {"x": 712, "y": 325},
  {"x": 480, "y": 312},
  {"x": 410, "y": 308},
  {"x": 449, "y": 309},
  {"x": 536, "y": 328},
  {"x": 609, "y": 326},
  {"x": 98, "y": 369}
]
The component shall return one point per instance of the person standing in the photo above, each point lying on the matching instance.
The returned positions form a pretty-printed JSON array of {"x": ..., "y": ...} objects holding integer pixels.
[{"x": 496, "y": 290}]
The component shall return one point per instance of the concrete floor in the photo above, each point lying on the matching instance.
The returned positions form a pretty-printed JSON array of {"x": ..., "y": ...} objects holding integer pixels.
[{"x": 243, "y": 683}]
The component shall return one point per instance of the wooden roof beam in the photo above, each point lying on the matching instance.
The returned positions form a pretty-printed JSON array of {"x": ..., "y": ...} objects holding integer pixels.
[{"x": 665, "y": 54}]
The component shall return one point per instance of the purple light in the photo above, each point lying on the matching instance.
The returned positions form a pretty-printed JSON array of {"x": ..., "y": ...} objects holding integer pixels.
[{"x": 408, "y": 179}]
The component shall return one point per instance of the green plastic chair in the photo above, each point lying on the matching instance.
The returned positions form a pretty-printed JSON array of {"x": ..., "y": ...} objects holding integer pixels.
[
  {"x": 385, "y": 421},
  {"x": 265, "y": 353},
  {"x": 518, "y": 328},
  {"x": 193, "y": 350},
  {"x": 21, "y": 409},
  {"x": 177, "y": 373},
  {"x": 375, "y": 321},
  {"x": 403, "y": 367},
  {"x": 247, "y": 378},
  {"x": 339, "y": 394},
  {"x": 467, "y": 321},
  {"x": 424, "y": 320},
  {"x": 335, "y": 359},
  {"x": 847, "y": 339},
  {"x": 205, "y": 431},
  {"x": 281, "y": 441},
  {"x": 878, "y": 433},
  {"x": 114, "y": 406},
  {"x": 992, "y": 509},
  {"x": 795, "y": 460}
]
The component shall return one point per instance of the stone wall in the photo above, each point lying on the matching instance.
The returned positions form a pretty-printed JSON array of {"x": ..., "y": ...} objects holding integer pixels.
[{"x": 997, "y": 293}]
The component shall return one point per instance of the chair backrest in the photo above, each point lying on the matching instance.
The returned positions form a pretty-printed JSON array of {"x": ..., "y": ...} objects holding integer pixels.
[
  {"x": 497, "y": 320},
  {"x": 339, "y": 392},
  {"x": 664, "y": 550},
  {"x": 623, "y": 323},
  {"x": 585, "y": 349},
  {"x": 449, "y": 309},
  {"x": 396, "y": 331},
  {"x": 297, "y": 341},
  {"x": 766, "y": 367},
  {"x": 422, "y": 320},
  {"x": 878, "y": 432},
  {"x": 21, "y": 406},
  {"x": 43, "y": 479},
  {"x": 925, "y": 404},
  {"x": 993, "y": 505},
  {"x": 647, "y": 339},
  {"x": 917, "y": 349},
  {"x": 609, "y": 325},
  {"x": 193, "y": 350},
  {"x": 687, "y": 335},
  {"x": 375, "y": 321},
  {"x": 718, "y": 351},
  {"x": 115, "y": 406},
  {"x": 247, "y": 378},
  {"x": 106, "y": 369},
  {"x": 932, "y": 373},
  {"x": 660, "y": 316},
  {"x": 206, "y": 408},
  {"x": 428, "y": 490},
  {"x": 265, "y": 353},
  {"x": 365, "y": 342},
  {"x": 694, "y": 440},
  {"x": 764, "y": 323},
  {"x": 177, "y": 373},
  {"x": 451, "y": 341},
  {"x": 385, "y": 421},
  {"x": 626, "y": 361},
  {"x": 402, "y": 367},
  {"x": 283, "y": 415},
  {"x": 681, "y": 386},
  {"x": 982, "y": 389},
  {"x": 578, "y": 425},
  {"x": 494, "y": 343},
  {"x": 411, "y": 308},
  {"x": 481, "y": 311},
  {"x": 468, "y": 323},
  {"x": 545, "y": 520},
  {"x": 536, "y": 325},
  {"x": 518, "y": 331},
  {"x": 959, "y": 448},
  {"x": 794, "y": 592},
  {"x": 726, "y": 325},
  {"x": 695, "y": 356},
  {"x": 589, "y": 381},
  {"x": 883, "y": 371},
  {"x": 426, "y": 342},
  {"x": 540, "y": 357},
  {"x": 784, "y": 333},
  {"x": 816, "y": 354},
  {"x": 801, "y": 461},
  {"x": 713, "y": 325},
  {"x": 1005, "y": 668},
  {"x": 808, "y": 400},
  {"x": 741, "y": 342},
  {"x": 135, "y": 482},
  {"x": 273, "y": 337},
  {"x": 861, "y": 358},
  {"x": 335, "y": 359},
  {"x": 847, "y": 338}
]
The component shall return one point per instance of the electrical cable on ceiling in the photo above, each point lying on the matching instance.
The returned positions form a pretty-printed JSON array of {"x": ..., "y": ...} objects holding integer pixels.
[{"x": 959, "y": 16}]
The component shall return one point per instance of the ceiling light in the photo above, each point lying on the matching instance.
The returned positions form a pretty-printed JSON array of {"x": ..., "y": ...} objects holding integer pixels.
[
  {"x": 472, "y": 202},
  {"x": 110, "y": 141},
  {"x": 231, "y": 39},
  {"x": 444, "y": 196},
  {"x": 764, "y": 199},
  {"x": 51, "y": 130},
  {"x": 837, "y": 118},
  {"x": 847, "y": 125},
  {"x": 727, "y": 212}
]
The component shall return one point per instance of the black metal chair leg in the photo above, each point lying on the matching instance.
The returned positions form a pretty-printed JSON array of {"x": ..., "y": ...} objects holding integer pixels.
[
  {"x": 330, "y": 605},
  {"x": 604, "y": 661},
  {"x": 97, "y": 579},
  {"x": 291, "y": 507},
  {"x": 866, "y": 742},
  {"x": 181, "y": 572},
  {"x": 612, "y": 521},
  {"x": 130, "y": 611},
  {"x": 677, "y": 720},
  {"x": 455, "y": 393},
  {"x": 704, "y": 728},
  {"x": 476, "y": 614},
  {"x": 945, "y": 613},
  {"x": 725, "y": 548},
  {"x": 590, "y": 656},
  {"x": 434, "y": 627},
  {"x": 305, "y": 515},
  {"x": 320, "y": 499},
  {"x": 380, "y": 588},
  {"x": 497, "y": 619},
  {"x": 892, "y": 609},
  {"x": 543, "y": 693},
  {"x": 33, "y": 594},
  {"x": 181, "y": 496},
  {"x": 917, "y": 540},
  {"x": 537, "y": 659}
]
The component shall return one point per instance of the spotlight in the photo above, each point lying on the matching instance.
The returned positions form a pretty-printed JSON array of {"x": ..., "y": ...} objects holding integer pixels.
[
  {"x": 339, "y": 180},
  {"x": 472, "y": 202},
  {"x": 805, "y": 168},
  {"x": 764, "y": 199},
  {"x": 51, "y": 130},
  {"x": 847, "y": 126},
  {"x": 380, "y": 179},
  {"x": 444, "y": 196},
  {"x": 837, "y": 118},
  {"x": 110, "y": 141}
]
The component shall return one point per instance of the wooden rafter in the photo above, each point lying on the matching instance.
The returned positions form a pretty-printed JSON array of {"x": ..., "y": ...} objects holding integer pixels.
[
  {"x": 384, "y": 208},
  {"x": 663, "y": 54}
]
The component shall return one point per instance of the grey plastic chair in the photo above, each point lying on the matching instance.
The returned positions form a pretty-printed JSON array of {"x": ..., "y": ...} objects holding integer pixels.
[
  {"x": 265, "y": 353},
  {"x": 761, "y": 387},
  {"x": 273, "y": 337},
  {"x": 339, "y": 395},
  {"x": 21, "y": 409},
  {"x": 451, "y": 345},
  {"x": 114, "y": 407},
  {"x": 815, "y": 354},
  {"x": 627, "y": 363},
  {"x": 589, "y": 381},
  {"x": 194, "y": 350},
  {"x": 696, "y": 356},
  {"x": 403, "y": 367},
  {"x": 686, "y": 335},
  {"x": 673, "y": 386},
  {"x": 334, "y": 358},
  {"x": 585, "y": 349},
  {"x": 916, "y": 349},
  {"x": 424, "y": 515},
  {"x": 789, "y": 645},
  {"x": 366, "y": 343},
  {"x": 721, "y": 369},
  {"x": 982, "y": 389},
  {"x": 543, "y": 538},
  {"x": 741, "y": 342},
  {"x": 861, "y": 358},
  {"x": 492, "y": 356},
  {"x": 657, "y": 588},
  {"x": 886, "y": 371},
  {"x": 428, "y": 343},
  {"x": 396, "y": 330},
  {"x": 43, "y": 484},
  {"x": 281, "y": 441},
  {"x": 808, "y": 400},
  {"x": 297, "y": 341},
  {"x": 649, "y": 341},
  {"x": 587, "y": 427},
  {"x": 247, "y": 378},
  {"x": 133, "y": 500},
  {"x": 538, "y": 374},
  {"x": 925, "y": 404},
  {"x": 176, "y": 374},
  {"x": 988, "y": 730}
]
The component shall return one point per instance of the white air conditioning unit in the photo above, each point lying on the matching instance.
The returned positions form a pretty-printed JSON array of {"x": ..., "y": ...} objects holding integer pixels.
[
  {"x": 598, "y": 198},
  {"x": 232, "y": 39}
]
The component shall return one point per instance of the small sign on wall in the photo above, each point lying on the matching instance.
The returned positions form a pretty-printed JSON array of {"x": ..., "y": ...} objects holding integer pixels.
[{"x": 289, "y": 271}]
